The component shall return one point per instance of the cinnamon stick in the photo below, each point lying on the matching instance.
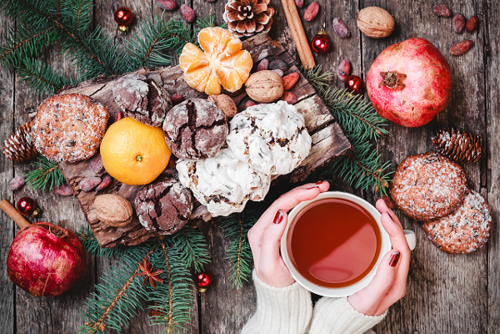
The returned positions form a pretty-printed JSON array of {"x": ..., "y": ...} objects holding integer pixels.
[
  {"x": 298, "y": 34},
  {"x": 6, "y": 207}
]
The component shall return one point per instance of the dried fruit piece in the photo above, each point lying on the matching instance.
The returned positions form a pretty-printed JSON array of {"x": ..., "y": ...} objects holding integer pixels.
[
  {"x": 458, "y": 23},
  {"x": 249, "y": 104},
  {"x": 16, "y": 183},
  {"x": 471, "y": 24},
  {"x": 289, "y": 97},
  {"x": 290, "y": 80},
  {"x": 280, "y": 72},
  {"x": 344, "y": 69},
  {"x": 96, "y": 164},
  {"x": 177, "y": 98},
  {"x": 278, "y": 64},
  {"x": 167, "y": 4},
  {"x": 263, "y": 65},
  {"x": 461, "y": 47},
  {"x": 64, "y": 190},
  {"x": 89, "y": 183},
  {"x": 311, "y": 11},
  {"x": 104, "y": 184},
  {"x": 340, "y": 28},
  {"x": 299, "y": 3},
  {"x": 188, "y": 13},
  {"x": 441, "y": 10}
]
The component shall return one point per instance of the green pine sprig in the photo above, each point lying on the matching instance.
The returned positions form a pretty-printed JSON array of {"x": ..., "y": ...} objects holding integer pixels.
[
  {"x": 193, "y": 247},
  {"x": 45, "y": 175}
]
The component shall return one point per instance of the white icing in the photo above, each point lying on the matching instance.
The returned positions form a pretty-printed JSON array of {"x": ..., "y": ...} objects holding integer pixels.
[
  {"x": 223, "y": 183},
  {"x": 272, "y": 138}
]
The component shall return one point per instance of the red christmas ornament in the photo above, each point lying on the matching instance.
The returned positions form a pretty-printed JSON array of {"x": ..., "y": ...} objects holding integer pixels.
[
  {"x": 123, "y": 16},
  {"x": 203, "y": 280},
  {"x": 354, "y": 84},
  {"x": 27, "y": 207},
  {"x": 320, "y": 42}
]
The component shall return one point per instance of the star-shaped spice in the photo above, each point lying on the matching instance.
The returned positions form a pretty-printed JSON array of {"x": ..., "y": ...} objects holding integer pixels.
[{"x": 149, "y": 273}]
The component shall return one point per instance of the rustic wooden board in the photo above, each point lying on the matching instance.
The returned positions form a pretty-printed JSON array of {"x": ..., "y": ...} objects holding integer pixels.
[{"x": 329, "y": 141}]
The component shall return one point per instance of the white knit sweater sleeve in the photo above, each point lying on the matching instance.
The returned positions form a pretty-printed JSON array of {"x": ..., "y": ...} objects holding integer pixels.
[
  {"x": 337, "y": 316},
  {"x": 285, "y": 310}
]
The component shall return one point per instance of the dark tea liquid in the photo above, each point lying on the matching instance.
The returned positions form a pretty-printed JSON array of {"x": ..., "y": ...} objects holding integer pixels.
[{"x": 334, "y": 243}]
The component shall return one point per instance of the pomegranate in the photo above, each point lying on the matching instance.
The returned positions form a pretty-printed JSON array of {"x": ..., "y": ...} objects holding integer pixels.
[
  {"x": 45, "y": 259},
  {"x": 409, "y": 83}
]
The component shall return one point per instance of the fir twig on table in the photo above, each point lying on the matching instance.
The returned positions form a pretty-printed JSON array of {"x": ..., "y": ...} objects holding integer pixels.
[
  {"x": 46, "y": 174},
  {"x": 193, "y": 247},
  {"x": 91, "y": 245}
]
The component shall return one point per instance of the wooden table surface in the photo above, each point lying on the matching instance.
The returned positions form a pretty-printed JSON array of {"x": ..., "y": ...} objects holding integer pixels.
[{"x": 445, "y": 293}]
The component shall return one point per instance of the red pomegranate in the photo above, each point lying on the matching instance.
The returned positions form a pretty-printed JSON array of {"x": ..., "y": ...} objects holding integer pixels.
[
  {"x": 409, "y": 83},
  {"x": 45, "y": 259}
]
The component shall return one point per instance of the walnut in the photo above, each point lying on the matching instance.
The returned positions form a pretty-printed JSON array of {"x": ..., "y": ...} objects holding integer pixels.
[
  {"x": 375, "y": 22},
  {"x": 113, "y": 210},
  {"x": 224, "y": 103},
  {"x": 264, "y": 86}
]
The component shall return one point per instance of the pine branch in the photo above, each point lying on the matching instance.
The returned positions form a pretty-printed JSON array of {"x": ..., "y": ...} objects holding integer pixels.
[
  {"x": 172, "y": 301},
  {"x": 91, "y": 245},
  {"x": 236, "y": 227},
  {"x": 47, "y": 174},
  {"x": 193, "y": 247},
  {"x": 118, "y": 296}
]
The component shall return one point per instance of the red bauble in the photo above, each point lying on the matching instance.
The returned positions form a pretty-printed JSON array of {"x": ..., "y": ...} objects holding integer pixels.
[
  {"x": 45, "y": 259},
  {"x": 123, "y": 16},
  {"x": 320, "y": 42},
  {"x": 27, "y": 207},
  {"x": 354, "y": 84},
  {"x": 203, "y": 280}
]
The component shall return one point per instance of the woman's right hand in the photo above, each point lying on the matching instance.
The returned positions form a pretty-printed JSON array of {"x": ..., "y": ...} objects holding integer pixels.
[{"x": 265, "y": 236}]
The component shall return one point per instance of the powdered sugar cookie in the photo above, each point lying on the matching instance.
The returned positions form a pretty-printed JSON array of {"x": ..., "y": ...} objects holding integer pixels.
[
  {"x": 465, "y": 230},
  {"x": 428, "y": 186}
]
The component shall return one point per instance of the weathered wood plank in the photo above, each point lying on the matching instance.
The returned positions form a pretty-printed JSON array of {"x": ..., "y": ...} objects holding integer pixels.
[{"x": 445, "y": 293}]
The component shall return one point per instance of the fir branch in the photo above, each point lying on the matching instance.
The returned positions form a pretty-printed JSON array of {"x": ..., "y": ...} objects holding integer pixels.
[
  {"x": 193, "y": 247},
  {"x": 118, "y": 296},
  {"x": 47, "y": 174},
  {"x": 41, "y": 76},
  {"x": 171, "y": 302},
  {"x": 91, "y": 245},
  {"x": 238, "y": 252}
]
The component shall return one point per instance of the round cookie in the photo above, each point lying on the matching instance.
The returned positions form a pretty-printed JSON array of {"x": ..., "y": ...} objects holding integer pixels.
[
  {"x": 428, "y": 186},
  {"x": 195, "y": 129},
  {"x": 223, "y": 183},
  {"x": 164, "y": 206},
  {"x": 272, "y": 138},
  {"x": 69, "y": 127},
  {"x": 142, "y": 99},
  {"x": 465, "y": 230}
]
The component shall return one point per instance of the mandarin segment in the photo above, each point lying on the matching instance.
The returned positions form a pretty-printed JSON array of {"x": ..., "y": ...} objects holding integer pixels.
[{"x": 222, "y": 62}]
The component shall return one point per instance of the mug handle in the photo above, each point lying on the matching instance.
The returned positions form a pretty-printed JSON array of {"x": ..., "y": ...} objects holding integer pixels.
[{"x": 411, "y": 239}]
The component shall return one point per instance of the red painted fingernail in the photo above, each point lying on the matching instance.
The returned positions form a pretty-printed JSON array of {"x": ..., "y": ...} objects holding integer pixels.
[
  {"x": 319, "y": 182},
  {"x": 278, "y": 218},
  {"x": 394, "y": 259}
]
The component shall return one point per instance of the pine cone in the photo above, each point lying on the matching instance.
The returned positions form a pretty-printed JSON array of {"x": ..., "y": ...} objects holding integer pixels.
[
  {"x": 459, "y": 145},
  {"x": 248, "y": 17},
  {"x": 19, "y": 146}
]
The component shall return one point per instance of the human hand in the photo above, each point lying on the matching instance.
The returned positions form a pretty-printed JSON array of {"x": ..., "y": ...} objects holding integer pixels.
[
  {"x": 389, "y": 284},
  {"x": 264, "y": 237}
]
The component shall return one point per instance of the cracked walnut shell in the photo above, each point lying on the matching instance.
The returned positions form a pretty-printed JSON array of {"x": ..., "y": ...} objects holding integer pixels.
[
  {"x": 113, "y": 210},
  {"x": 264, "y": 86}
]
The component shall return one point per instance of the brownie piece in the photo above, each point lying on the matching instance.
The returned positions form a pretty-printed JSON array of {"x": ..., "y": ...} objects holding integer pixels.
[{"x": 195, "y": 129}]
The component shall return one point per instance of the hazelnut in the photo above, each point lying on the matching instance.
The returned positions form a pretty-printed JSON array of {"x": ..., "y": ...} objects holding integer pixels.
[
  {"x": 224, "y": 103},
  {"x": 113, "y": 210},
  {"x": 264, "y": 86},
  {"x": 375, "y": 22}
]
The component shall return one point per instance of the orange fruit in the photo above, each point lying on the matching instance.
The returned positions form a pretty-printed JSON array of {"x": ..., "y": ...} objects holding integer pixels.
[
  {"x": 222, "y": 62},
  {"x": 134, "y": 153}
]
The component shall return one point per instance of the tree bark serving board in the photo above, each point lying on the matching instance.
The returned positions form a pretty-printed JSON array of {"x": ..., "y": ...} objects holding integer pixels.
[{"x": 328, "y": 139}]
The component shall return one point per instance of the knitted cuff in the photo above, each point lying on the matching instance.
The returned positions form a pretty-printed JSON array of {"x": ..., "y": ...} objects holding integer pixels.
[
  {"x": 285, "y": 310},
  {"x": 337, "y": 316}
]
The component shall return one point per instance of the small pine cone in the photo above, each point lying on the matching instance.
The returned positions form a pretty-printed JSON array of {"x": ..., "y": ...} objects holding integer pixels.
[
  {"x": 459, "y": 145},
  {"x": 19, "y": 146}
]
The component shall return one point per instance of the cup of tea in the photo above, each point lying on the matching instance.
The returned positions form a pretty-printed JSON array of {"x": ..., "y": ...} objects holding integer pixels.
[{"x": 334, "y": 243}]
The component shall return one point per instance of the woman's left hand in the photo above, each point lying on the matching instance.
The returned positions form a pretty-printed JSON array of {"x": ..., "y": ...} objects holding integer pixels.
[{"x": 389, "y": 284}]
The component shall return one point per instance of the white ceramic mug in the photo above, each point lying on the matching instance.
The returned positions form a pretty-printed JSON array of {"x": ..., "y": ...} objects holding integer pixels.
[{"x": 355, "y": 287}]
